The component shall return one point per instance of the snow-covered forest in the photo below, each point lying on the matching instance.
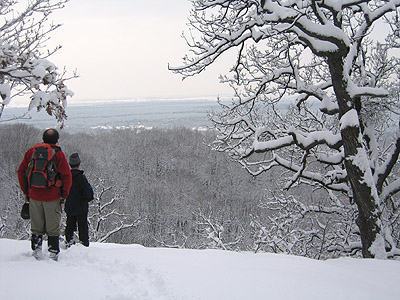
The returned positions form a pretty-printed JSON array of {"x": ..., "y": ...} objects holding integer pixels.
[
  {"x": 159, "y": 187},
  {"x": 168, "y": 188}
]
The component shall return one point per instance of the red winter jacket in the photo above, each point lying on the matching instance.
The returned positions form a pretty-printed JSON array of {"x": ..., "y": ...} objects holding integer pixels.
[{"x": 47, "y": 194}]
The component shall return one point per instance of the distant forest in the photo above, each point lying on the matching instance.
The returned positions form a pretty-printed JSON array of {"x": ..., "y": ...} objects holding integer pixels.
[{"x": 167, "y": 188}]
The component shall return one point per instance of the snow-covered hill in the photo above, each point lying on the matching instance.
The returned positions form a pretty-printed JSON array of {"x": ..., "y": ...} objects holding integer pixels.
[{"x": 122, "y": 272}]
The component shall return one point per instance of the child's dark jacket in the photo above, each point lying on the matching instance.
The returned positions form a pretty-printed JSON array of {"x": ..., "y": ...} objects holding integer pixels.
[{"x": 80, "y": 194}]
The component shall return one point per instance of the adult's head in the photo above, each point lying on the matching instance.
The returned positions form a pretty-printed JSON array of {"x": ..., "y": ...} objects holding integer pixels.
[{"x": 51, "y": 136}]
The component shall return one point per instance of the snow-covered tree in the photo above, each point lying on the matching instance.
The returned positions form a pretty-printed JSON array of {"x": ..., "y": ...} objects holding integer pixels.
[
  {"x": 24, "y": 66},
  {"x": 105, "y": 217},
  {"x": 321, "y": 57},
  {"x": 11, "y": 198},
  {"x": 313, "y": 230},
  {"x": 212, "y": 232}
]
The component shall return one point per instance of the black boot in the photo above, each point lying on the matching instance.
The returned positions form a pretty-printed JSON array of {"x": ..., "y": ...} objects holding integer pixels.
[
  {"x": 36, "y": 241},
  {"x": 54, "y": 247},
  {"x": 36, "y": 245}
]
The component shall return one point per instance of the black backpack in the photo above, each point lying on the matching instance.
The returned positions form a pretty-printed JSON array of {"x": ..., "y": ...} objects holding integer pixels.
[{"x": 42, "y": 170}]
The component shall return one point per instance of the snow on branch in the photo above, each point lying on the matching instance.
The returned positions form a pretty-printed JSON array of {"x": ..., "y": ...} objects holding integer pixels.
[
  {"x": 349, "y": 119},
  {"x": 386, "y": 168},
  {"x": 118, "y": 229},
  {"x": 390, "y": 190},
  {"x": 356, "y": 91},
  {"x": 307, "y": 141},
  {"x": 25, "y": 68},
  {"x": 213, "y": 231},
  {"x": 329, "y": 182},
  {"x": 273, "y": 144}
]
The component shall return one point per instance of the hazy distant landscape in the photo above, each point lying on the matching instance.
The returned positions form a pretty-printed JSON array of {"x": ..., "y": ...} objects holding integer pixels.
[{"x": 160, "y": 114}]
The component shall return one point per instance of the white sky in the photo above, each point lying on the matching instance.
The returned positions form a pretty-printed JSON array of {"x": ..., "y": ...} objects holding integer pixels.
[{"x": 121, "y": 49}]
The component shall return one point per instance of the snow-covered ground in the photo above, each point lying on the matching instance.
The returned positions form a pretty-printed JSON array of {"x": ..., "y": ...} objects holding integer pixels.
[{"x": 122, "y": 272}]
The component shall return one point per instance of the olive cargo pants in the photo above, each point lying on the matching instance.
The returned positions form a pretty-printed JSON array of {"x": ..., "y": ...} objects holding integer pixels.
[{"x": 45, "y": 217}]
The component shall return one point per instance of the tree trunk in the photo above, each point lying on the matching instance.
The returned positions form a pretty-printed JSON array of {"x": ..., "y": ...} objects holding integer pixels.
[
  {"x": 365, "y": 196},
  {"x": 359, "y": 174}
]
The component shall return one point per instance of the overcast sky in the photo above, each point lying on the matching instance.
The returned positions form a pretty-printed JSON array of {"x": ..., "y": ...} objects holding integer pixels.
[{"x": 122, "y": 48}]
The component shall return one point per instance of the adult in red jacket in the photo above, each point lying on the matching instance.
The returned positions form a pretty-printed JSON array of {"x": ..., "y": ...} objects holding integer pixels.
[{"x": 45, "y": 203}]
